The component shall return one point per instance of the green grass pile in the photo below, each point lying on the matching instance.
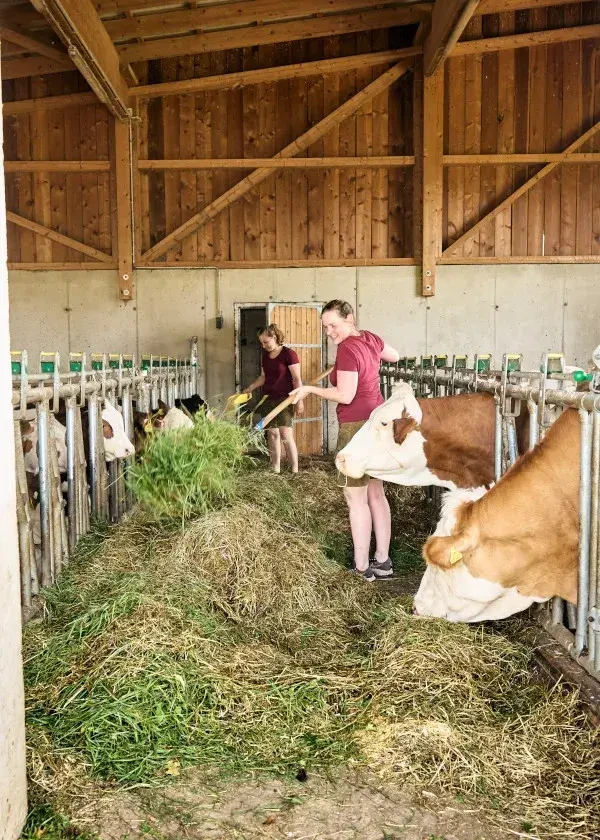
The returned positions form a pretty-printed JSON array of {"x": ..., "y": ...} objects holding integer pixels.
[
  {"x": 186, "y": 472},
  {"x": 237, "y": 643}
]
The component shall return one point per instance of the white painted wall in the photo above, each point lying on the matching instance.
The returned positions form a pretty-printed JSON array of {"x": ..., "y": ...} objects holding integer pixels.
[
  {"x": 13, "y": 785},
  {"x": 487, "y": 309}
]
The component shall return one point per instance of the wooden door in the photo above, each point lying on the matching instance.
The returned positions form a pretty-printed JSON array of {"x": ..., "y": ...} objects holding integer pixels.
[{"x": 301, "y": 326}]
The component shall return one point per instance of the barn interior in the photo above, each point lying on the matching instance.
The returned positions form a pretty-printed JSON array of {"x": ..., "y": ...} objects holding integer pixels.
[{"x": 190, "y": 168}]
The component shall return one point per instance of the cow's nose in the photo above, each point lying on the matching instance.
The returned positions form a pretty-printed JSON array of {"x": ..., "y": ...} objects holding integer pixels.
[
  {"x": 341, "y": 460},
  {"x": 415, "y": 611}
]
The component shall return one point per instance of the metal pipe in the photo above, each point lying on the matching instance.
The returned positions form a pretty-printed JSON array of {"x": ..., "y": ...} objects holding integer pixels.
[
  {"x": 594, "y": 601},
  {"x": 585, "y": 498},
  {"x": 558, "y": 611},
  {"x": 113, "y": 491},
  {"x": 498, "y": 442},
  {"x": 533, "y": 422},
  {"x": 71, "y": 476},
  {"x": 45, "y": 501},
  {"x": 511, "y": 433},
  {"x": 93, "y": 448}
]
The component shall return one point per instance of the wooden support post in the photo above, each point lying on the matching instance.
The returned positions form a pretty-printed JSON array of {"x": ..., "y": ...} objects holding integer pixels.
[
  {"x": 123, "y": 204},
  {"x": 433, "y": 176}
]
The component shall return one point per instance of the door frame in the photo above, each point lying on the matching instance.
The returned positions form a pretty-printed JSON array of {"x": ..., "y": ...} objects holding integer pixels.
[{"x": 237, "y": 325}]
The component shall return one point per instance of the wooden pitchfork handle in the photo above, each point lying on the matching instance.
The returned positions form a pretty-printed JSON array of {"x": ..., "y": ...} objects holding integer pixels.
[{"x": 288, "y": 401}]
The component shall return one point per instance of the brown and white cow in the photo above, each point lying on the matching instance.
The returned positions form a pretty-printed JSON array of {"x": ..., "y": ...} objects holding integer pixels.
[
  {"x": 446, "y": 441},
  {"x": 516, "y": 545}
]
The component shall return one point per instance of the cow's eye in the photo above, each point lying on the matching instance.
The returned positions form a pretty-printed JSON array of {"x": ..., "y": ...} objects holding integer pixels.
[{"x": 383, "y": 424}]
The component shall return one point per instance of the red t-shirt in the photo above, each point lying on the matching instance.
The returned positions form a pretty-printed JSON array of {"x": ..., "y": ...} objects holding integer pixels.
[
  {"x": 360, "y": 353},
  {"x": 278, "y": 379}
]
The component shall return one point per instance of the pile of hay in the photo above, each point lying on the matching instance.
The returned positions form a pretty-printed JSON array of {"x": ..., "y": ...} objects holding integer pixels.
[{"x": 237, "y": 643}]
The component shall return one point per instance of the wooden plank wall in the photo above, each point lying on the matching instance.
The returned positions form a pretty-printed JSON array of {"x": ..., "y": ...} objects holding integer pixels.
[{"x": 525, "y": 100}]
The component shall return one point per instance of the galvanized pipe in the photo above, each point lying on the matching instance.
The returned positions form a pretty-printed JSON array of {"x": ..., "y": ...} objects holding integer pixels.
[
  {"x": 594, "y": 601},
  {"x": 511, "y": 433},
  {"x": 45, "y": 501},
  {"x": 71, "y": 474},
  {"x": 93, "y": 449},
  {"x": 585, "y": 499},
  {"x": 498, "y": 442},
  {"x": 533, "y": 422}
]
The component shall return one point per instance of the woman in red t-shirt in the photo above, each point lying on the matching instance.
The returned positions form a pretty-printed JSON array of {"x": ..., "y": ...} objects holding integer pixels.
[
  {"x": 279, "y": 374},
  {"x": 355, "y": 389}
]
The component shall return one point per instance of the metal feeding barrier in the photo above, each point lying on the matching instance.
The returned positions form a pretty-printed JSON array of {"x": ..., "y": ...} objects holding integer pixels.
[
  {"x": 58, "y": 415},
  {"x": 545, "y": 392}
]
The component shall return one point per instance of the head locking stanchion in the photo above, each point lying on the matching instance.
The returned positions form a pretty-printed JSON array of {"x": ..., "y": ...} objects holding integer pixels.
[
  {"x": 440, "y": 364},
  {"x": 18, "y": 365},
  {"x": 482, "y": 364},
  {"x": 459, "y": 365}
]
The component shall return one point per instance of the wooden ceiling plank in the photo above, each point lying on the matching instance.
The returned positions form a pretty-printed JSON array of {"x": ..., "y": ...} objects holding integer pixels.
[
  {"x": 250, "y": 36},
  {"x": 90, "y": 48},
  {"x": 298, "y": 145},
  {"x": 20, "y": 68},
  {"x": 171, "y": 22},
  {"x": 448, "y": 22}
]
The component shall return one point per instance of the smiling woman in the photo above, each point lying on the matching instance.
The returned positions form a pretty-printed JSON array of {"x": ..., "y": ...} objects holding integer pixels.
[{"x": 355, "y": 389}]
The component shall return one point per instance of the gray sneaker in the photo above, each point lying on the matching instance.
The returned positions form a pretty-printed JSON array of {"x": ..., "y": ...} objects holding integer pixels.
[
  {"x": 381, "y": 570},
  {"x": 367, "y": 575}
]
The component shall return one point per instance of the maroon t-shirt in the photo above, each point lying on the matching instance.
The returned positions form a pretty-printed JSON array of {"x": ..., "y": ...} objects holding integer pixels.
[
  {"x": 360, "y": 353},
  {"x": 278, "y": 379}
]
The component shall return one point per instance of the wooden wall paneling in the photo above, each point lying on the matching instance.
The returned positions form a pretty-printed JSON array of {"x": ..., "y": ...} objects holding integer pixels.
[
  {"x": 220, "y": 223},
  {"x": 283, "y": 136},
  {"x": 520, "y": 208},
  {"x": 554, "y": 143},
  {"x": 41, "y": 180},
  {"x": 251, "y": 149},
  {"x": 595, "y": 147},
  {"x": 489, "y": 137},
  {"x": 379, "y": 209},
  {"x": 140, "y": 179},
  {"x": 416, "y": 179},
  {"x": 364, "y": 146},
  {"x": 266, "y": 134},
  {"x": 506, "y": 136},
  {"x": 56, "y": 151},
  {"x": 235, "y": 149},
  {"x": 204, "y": 193},
  {"x": 89, "y": 181},
  {"x": 331, "y": 148},
  {"x": 455, "y": 108},
  {"x": 170, "y": 132},
  {"x": 584, "y": 203},
  {"x": 11, "y": 181},
  {"x": 156, "y": 180},
  {"x": 443, "y": 68},
  {"x": 315, "y": 178},
  {"x": 408, "y": 194},
  {"x": 73, "y": 181},
  {"x": 571, "y": 129},
  {"x": 472, "y": 138},
  {"x": 187, "y": 149},
  {"x": 537, "y": 133},
  {"x": 348, "y": 88},
  {"x": 103, "y": 127},
  {"x": 299, "y": 123}
]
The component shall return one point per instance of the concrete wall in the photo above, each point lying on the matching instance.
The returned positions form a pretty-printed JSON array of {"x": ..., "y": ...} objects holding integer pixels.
[{"x": 13, "y": 785}]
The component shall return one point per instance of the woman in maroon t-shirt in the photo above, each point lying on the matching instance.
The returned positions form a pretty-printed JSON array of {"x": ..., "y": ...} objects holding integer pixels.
[
  {"x": 279, "y": 374},
  {"x": 355, "y": 389}
]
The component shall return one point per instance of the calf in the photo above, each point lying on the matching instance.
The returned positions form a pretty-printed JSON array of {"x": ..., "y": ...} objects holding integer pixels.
[
  {"x": 29, "y": 434},
  {"x": 518, "y": 544},
  {"x": 446, "y": 441}
]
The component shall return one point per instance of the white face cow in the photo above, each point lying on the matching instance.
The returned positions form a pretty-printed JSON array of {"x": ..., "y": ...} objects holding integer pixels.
[
  {"x": 454, "y": 593},
  {"x": 373, "y": 449},
  {"x": 116, "y": 443},
  {"x": 29, "y": 436}
]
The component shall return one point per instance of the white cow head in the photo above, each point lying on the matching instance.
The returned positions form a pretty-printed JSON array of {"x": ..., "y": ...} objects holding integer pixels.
[
  {"x": 29, "y": 435},
  {"x": 116, "y": 443},
  {"x": 454, "y": 593},
  {"x": 373, "y": 449}
]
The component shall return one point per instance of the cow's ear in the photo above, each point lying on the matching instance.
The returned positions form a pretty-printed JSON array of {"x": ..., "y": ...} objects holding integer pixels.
[
  {"x": 163, "y": 407},
  {"x": 447, "y": 552},
  {"x": 402, "y": 428}
]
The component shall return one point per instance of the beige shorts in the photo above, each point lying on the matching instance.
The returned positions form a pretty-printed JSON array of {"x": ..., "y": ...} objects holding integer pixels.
[
  {"x": 285, "y": 419},
  {"x": 345, "y": 435}
]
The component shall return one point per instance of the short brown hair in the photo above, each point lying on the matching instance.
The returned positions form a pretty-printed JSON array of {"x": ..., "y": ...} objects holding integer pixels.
[
  {"x": 272, "y": 331},
  {"x": 342, "y": 307}
]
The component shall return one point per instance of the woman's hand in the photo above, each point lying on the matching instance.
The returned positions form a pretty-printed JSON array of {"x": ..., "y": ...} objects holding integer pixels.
[
  {"x": 299, "y": 394},
  {"x": 247, "y": 390},
  {"x": 299, "y": 408}
]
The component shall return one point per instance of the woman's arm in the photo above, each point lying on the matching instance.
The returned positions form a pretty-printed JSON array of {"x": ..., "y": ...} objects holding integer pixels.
[
  {"x": 344, "y": 392},
  {"x": 258, "y": 383},
  {"x": 388, "y": 354},
  {"x": 297, "y": 383}
]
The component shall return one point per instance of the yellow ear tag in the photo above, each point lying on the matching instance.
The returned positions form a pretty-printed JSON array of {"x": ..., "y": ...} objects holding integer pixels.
[
  {"x": 148, "y": 427},
  {"x": 455, "y": 556}
]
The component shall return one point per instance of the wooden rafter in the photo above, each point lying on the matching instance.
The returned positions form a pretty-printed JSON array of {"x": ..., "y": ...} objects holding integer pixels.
[
  {"x": 20, "y": 68},
  {"x": 47, "y": 233},
  {"x": 371, "y": 162},
  {"x": 90, "y": 48},
  {"x": 433, "y": 177},
  {"x": 301, "y": 143},
  {"x": 250, "y": 36},
  {"x": 531, "y": 182},
  {"x": 448, "y": 22},
  {"x": 527, "y": 39},
  {"x": 47, "y": 103},
  {"x": 16, "y": 35},
  {"x": 511, "y": 159}
]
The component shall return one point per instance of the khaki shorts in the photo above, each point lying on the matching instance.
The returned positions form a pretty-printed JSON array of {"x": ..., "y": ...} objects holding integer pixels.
[
  {"x": 345, "y": 435},
  {"x": 284, "y": 419}
]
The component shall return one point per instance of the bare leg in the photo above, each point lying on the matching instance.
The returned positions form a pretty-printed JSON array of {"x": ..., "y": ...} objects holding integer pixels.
[
  {"x": 287, "y": 438},
  {"x": 360, "y": 524},
  {"x": 382, "y": 520},
  {"x": 274, "y": 448}
]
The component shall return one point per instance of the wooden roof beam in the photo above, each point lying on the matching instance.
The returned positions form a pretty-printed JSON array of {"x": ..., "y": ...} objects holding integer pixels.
[
  {"x": 448, "y": 22},
  {"x": 47, "y": 103},
  {"x": 20, "y": 68},
  {"x": 250, "y": 36},
  {"x": 301, "y": 143},
  {"x": 90, "y": 48},
  {"x": 19, "y": 36},
  {"x": 527, "y": 39}
]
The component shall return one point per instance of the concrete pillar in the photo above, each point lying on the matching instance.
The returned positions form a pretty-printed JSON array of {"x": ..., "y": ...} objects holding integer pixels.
[{"x": 13, "y": 785}]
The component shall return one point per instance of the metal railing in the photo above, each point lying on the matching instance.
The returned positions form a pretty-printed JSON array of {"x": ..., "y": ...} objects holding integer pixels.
[
  {"x": 545, "y": 393},
  {"x": 90, "y": 488}
]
